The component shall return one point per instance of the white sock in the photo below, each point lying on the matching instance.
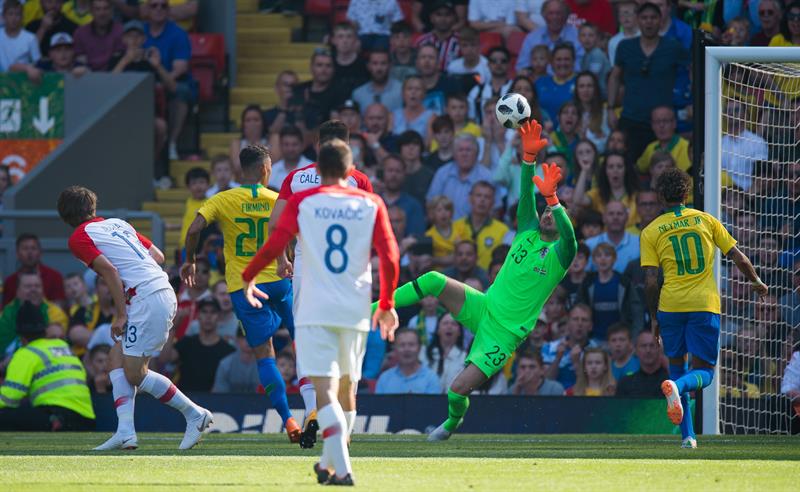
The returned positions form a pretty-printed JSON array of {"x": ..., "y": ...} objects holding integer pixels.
[
  {"x": 124, "y": 399},
  {"x": 334, "y": 426},
  {"x": 308, "y": 394},
  {"x": 163, "y": 390},
  {"x": 350, "y": 418}
]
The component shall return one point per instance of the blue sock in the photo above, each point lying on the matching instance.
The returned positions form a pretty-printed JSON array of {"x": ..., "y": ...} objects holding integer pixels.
[
  {"x": 695, "y": 379},
  {"x": 273, "y": 384},
  {"x": 687, "y": 426}
]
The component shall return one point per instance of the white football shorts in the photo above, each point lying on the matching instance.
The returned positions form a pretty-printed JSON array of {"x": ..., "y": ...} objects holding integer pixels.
[
  {"x": 149, "y": 321},
  {"x": 330, "y": 352}
]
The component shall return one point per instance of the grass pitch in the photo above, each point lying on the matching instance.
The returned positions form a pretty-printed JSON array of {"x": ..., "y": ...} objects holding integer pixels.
[{"x": 64, "y": 462}]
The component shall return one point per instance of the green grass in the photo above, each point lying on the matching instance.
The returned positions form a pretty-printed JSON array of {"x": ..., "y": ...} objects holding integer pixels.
[{"x": 63, "y": 462}]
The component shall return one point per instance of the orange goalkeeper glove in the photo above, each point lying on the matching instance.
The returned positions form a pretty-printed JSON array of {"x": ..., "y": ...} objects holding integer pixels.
[
  {"x": 549, "y": 185},
  {"x": 532, "y": 144}
]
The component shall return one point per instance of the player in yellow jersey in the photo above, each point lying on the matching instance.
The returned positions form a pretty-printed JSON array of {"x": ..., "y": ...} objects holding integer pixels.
[
  {"x": 685, "y": 312},
  {"x": 243, "y": 215}
]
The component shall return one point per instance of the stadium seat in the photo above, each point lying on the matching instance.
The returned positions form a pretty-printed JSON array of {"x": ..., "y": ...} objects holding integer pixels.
[
  {"x": 340, "y": 10},
  {"x": 514, "y": 43},
  {"x": 209, "y": 68},
  {"x": 407, "y": 6},
  {"x": 489, "y": 40},
  {"x": 318, "y": 8}
]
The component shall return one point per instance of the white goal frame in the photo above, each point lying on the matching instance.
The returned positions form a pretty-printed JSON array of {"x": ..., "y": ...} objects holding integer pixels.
[{"x": 714, "y": 58}]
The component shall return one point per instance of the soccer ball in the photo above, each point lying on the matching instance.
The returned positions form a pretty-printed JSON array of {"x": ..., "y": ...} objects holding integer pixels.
[{"x": 512, "y": 110}]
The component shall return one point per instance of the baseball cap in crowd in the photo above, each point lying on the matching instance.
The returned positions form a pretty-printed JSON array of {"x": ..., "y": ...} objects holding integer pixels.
[
  {"x": 61, "y": 38},
  {"x": 133, "y": 25},
  {"x": 349, "y": 104},
  {"x": 30, "y": 320},
  {"x": 443, "y": 4}
]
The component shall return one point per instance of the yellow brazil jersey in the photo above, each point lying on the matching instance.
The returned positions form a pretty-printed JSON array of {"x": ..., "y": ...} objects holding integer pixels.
[
  {"x": 488, "y": 237},
  {"x": 442, "y": 246},
  {"x": 628, "y": 200},
  {"x": 683, "y": 243},
  {"x": 678, "y": 148},
  {"x": 242, "y": 215}
]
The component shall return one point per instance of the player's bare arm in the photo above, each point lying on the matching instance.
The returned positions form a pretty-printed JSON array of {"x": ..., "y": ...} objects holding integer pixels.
[
  {"x": 187, "y": 271},
  {"x": 105, "y": 269},
  {"x": 748, "y": 270},
  {"x": 157, "y": 254},
  {"x": 652, "y": 292}
]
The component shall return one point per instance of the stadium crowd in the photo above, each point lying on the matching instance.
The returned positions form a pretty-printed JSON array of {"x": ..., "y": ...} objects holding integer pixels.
[{"x": 609, "y": 81}]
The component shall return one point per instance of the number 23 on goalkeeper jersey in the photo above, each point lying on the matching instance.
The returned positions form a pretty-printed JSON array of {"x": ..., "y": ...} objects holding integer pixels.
[{"x": 683, "y": 243}]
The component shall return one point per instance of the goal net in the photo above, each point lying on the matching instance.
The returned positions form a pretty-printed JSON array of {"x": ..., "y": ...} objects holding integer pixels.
[{"x": 756, "y": 168}]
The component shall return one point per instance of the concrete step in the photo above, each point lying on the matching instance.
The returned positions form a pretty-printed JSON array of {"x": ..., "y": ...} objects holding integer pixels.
[
  {"x": 178, "y": 170},
  {"x": 264, "y": 97},
  {"x": 265, "y": 66},
  {"x": 279, "y": 52},
  {"x": 174, "y": 195},
  {"x": 165, "y": 208},
  {"x": 253, "y": 20},
  {"x": 217, "y": 139},
  {"x": 246, "y": 6},
  {"x": 264, "y": 36}
]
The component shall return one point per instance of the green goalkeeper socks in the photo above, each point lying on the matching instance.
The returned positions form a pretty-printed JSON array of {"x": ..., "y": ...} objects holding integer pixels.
[
  {"x": 429, "y": 284},
  {"x": 457, "y": 406}
]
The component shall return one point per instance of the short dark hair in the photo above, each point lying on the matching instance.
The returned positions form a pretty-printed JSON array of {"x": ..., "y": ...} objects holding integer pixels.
[
  {"x": 333, "y": 129},
  {"x": 458, "y": 96},
  {"x": 583, "y": 250},
  {"x": 619, "y": 328},
  {"x": 253, "y": 156},
  {"x": 403, "y": 331},
  {"x": 673, "y": 185},
  {"x": 400, "y": 27},
  {"x": 104, "y": 348},
  {"x": 11, "y": 4},
  {"x": 74, "y": 275},
  {"x": 26, "y": 236},
  {"x": 648, "y": 6},
  {"x": 334, "y": 158},
  {"x": 498, "y": 49},
  {"x": 409, "y": 137},
  {"x": 76, "y": 205},
  {"x": 196, "y": 173},
  {"x": 209, "y": 301},
  {"x": 535, "y": 356},
  {"x": 483, "y": 184},
  {"x": 378, "y": 52},
  {"x": 565, "y": 45},
  {"x": 30, "y": 322},
  {"x": 443, "y": 122},
  {"x": 291, "y": 131}
]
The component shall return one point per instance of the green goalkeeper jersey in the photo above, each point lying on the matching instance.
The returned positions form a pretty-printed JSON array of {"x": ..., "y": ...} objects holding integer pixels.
[{"x": 533, "y": 267}]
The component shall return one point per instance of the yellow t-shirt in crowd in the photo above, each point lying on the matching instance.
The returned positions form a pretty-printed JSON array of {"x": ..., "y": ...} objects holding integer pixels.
[
  {"x": 70, "y": 12},
  {"x": 678, "y": 149},
  {"x": 470, "y": 129},
  {"x": 488, "y": 237},
  {"x": 628, "y": 200},
  {"x": 683, "y": 243},
  {"x": 442, "y": 246}
]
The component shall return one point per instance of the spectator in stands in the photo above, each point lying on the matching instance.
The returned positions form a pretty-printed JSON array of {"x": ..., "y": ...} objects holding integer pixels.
[
  {"x": 286, "y": 366},
  {"x": 790, "y": 28},
  {"x": 664, "y": 124},
  {"x": 566, "y": 136},
  {"x": 52, "y": 22},
  {"x": 770, "y": 14},
  {"x": 479, "y": 225},
  {"x": 555, "y": 90},
  {"x": 790, "y": 385},
  {"x": 374, "y": 20},
  {"x": 380, "y": 88},
  {"x": 594, "y": 59},
  {"x": 471, "y": 61},
  {"x": 349, "y": 68},
  {"x": 78, "y": 11},
  {"x": 740, "y": 147},
  {"x": 616, "y": 180},
  {"x": 227, "y": 324},
  {"x": 737, "y": 32},
  {"x": 465, "y": 263},
  {"x": 596, "y": 12},
  {"x": 456, "y": 179},
  {"x": 237, "y": 372},
  {"x": 576, "y": 274},
  {"x": 349, "y": 113},
  {"x": 379, "y": 139},
  {"x": 97, "y": 41},
  {"x": 496, "y": 85},
  {"x": 252, "y": 125},
  {"x": 528, "y": 14},
  {"x": 648, "y": 208},
  {"x": 422, "y": 10},
  {"x": 629, "y": 28},
  {"x": 190, "y": 297},
  {"x": 498, "y": 16},
  {"x": 436, "y": 83},
  {"x": 594, "y": 377},
  {"x": 555, "y": 31},
  {"x": 625, "y": 244},
  {"x": 281, "y": 114},
  {"x": 173, "y": 45},
  {"x": 590, "y": 223},
  {"x": 443, "y": 131},
  {"x": 646, "y": 382},
  {"x": 198, "y": 356},
  {"x": 562, "y": 356},
  {"x": 413, "y": 115},
  {"x": 444, "y": 36},
  {"x": 61, "y": 58},
  {"x": 531, "y": 380},
  {"x": 198, "y": 181},
  {"x": 320, "y": 95},
  {"x": 394, "y": 175},
  {"x": 88, "y": 313},
  {"x": 591, "y": 106},
  {"x": 440, "y": 215},
  {"x": 31, "y": 289},
  {"x": 426, "y": 320},
  {"x": 97, "y": 370},
  {"x": 403, "y": 55},
  {"x": 620, "y": 347},
  {"x": 617, "y": 142},
  {"x": 791, "y": 300},
  {"x": 445, "y": 354},
  {"x": 397, "y": 218},
  {"x": 291, "y": 144},
  {"x": 19, "y": 49},
  {"x": 222, "y": 170},
  {"x": 418, "y": 177},
  {"x": 29, "y": 256},
  {"x": 646, "y": 66},
  {"x": 409, "y": 375}
]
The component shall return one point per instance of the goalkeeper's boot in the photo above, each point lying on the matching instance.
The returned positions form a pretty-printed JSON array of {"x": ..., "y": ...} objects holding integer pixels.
[
  {"x": 293, "y": 430},
  {"x": 439, "y": 434},
  {"x": 674, "y": 407},
  {"x": 119, "y": 441},
  {"x": 689, "y": 443},
  {"x": 346, "y": 480},
  {"x": 310, "y": 428},
  {"x": 323, "y": 474}
]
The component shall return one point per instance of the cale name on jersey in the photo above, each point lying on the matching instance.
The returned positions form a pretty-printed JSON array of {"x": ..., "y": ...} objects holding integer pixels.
[{"x": 125, "y": 248}]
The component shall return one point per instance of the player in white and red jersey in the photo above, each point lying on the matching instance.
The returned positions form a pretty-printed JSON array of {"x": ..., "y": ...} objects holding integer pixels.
[
  {"x": 145, "y": 305},
  {"x": 338, "y": 226},
  {"x": 302, "y": 179}
]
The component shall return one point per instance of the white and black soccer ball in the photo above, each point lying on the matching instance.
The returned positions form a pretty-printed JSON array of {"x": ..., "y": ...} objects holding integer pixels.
[{"x": 512, "y": 110}]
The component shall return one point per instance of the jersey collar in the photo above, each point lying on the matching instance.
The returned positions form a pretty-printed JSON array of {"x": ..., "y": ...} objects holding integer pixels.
[
  {"x": 253, "y": 188},
  {"x": 677, "y": 210}
]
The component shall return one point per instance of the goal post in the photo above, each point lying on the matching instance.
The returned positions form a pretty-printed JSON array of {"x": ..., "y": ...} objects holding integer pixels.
[{"x": 762, "y": 66}]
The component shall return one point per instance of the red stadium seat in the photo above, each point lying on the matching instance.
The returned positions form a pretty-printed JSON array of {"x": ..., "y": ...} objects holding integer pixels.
[
  {"x": 209, "y": 68},
  {"x": 407, "y": 6},
  {"x": 340, "y": 10},
  {"x": 318, "y": 8},
  {"x": 514, "y": 43},
  {"x": 489, "y": 40}
]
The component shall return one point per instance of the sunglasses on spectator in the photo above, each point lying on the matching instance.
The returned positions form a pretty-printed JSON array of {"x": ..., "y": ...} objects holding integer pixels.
[
  {"x": 498, "y": 60},
  {"x": 766, "y": 12}
]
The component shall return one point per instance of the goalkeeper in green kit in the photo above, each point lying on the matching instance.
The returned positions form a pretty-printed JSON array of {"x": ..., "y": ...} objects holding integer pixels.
[{"x": 503, "y": 317}]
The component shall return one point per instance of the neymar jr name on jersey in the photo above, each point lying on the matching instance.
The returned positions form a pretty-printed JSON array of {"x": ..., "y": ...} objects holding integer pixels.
[{"x": 679, "y": 224}]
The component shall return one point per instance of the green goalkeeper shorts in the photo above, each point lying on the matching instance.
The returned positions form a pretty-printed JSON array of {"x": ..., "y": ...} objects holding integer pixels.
[{"x": 493, "y": 344}]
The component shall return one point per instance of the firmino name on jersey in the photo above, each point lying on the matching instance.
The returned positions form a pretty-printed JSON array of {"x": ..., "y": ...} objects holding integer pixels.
[
  {"x": 678, "y": 224},
  {"x": 338, "y": 213},
  {"x": 248, "y": 207}
]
